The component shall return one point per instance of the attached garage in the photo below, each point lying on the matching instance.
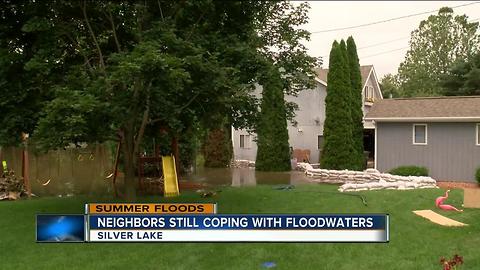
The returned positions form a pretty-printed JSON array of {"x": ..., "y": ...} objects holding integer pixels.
[{"x": 440, "y": 133}]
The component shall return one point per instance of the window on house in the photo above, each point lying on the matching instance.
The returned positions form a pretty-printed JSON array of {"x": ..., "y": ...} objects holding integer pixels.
[
  {"x": 420, "y": 133},
  {"x": 368, "y": 92},
  {"x": 478, "y": 135},
  {"x": 320, "y": 142},
  {"x": 244, "y": 141}
]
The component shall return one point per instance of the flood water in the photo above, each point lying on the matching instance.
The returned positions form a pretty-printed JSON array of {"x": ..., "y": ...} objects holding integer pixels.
[
  {"x": 90, "y": 170},
  {"x": 238, "y": 177}
]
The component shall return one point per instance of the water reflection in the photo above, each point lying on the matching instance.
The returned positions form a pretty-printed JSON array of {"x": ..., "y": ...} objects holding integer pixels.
[
  {"x": 238, "y": 177},
  {"x": 86, "y": 171}
]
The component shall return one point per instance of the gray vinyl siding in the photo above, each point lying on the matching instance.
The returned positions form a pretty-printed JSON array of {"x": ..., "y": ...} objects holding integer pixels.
[
  {"x": 451, "y": 153},
  {"x": 311, "y": 106}
]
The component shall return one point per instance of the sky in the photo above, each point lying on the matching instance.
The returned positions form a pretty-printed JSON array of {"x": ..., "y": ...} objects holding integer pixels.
[{"x": 394, "y": 35}]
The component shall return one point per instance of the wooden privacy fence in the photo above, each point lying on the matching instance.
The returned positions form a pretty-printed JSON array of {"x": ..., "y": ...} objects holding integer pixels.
[{"x": 63, "y": 172}]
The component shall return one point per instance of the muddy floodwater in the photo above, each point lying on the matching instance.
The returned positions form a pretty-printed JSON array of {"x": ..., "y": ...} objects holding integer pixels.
[
  {"x": 238, "y": 177},
  {"x": 90, "y": 170}
]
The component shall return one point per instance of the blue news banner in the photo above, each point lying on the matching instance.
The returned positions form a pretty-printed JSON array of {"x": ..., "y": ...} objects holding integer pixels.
[{"x": 221, "y": 228}]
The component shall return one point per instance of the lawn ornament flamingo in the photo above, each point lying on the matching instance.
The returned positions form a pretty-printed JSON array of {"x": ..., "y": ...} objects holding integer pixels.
[{"x": 439, "y": 203}]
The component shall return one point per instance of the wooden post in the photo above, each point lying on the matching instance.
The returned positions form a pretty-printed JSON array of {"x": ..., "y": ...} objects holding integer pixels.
[
  {"x": 25, "y": 167},
  {"x": 115, "y": 170},
  {"x": 1, "y": 161}
]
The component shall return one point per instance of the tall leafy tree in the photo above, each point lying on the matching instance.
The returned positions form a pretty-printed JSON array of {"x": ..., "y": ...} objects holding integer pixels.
[
  {"x": 337, "y": 129},
  {"x": 96, "y": 71},
  {"x": 463, "y": 78},
  {"x": 281, "y": 36},
  {"x": 127, "y": 66},
  {"x": 434, "y": 47},
  {"x": 29, "y": 53},
  {"x": 390, "y": 86},
  {"x": 273, "y": 153},
  {"x": 288, "y": 69},
  {"x": 356, "y": 111}
]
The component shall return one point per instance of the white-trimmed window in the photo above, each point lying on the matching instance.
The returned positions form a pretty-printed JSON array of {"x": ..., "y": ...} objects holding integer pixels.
[
  {"x": 369, "y": 93},
  {"x": 320, "y": 142},
  {"x": 477, "y": 141},
  {"x": 245, "y": 141},
  {"x": 420, "y": 134}
]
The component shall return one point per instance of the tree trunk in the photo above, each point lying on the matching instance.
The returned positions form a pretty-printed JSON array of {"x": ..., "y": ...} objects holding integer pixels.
[
  {"x": 176, "y": 152},
  {"x": 1, "y": 161},
  {"x": 115, "y": 169},
  {"x": 129, "y": 164}
]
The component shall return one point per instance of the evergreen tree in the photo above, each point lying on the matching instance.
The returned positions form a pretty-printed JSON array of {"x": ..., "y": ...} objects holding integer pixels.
[
  {"x": 273, "y": 152},
  {"x": 356, "y": 105},
  {"x": 337, "y": 129}
]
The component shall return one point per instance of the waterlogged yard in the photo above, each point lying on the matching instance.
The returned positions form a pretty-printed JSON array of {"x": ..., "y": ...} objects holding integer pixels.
[{"x": 415, "y": 243}]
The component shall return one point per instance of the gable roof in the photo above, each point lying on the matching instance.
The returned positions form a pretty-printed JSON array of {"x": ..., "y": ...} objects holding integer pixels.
[
  {"x": 426, "y": 109},
  {"x": 322, "y": 73},
  {"x": 365, "y": 71}
]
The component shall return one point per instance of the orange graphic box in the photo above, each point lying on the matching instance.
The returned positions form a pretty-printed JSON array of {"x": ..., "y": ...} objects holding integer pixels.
[{"x": 151, "y": 208}]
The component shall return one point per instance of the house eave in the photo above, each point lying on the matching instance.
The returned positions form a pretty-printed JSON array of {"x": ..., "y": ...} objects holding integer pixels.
[
  {"x": 320, "y": 81},
  {"x": 425, "y": 119}
]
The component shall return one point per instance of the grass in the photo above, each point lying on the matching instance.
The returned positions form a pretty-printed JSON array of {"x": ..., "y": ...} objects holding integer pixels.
[{"x": 415, "y": 243}]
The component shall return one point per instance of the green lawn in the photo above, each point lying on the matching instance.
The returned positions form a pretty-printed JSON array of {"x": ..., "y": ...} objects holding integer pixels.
[{"x": 415, "y": 243}]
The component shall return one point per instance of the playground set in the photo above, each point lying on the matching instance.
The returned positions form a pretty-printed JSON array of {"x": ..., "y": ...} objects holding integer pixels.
[{"x": 166, "y": 180}]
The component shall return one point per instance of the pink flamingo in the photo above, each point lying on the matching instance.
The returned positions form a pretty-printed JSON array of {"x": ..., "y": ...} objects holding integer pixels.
[{"x": 439, "y": 203}]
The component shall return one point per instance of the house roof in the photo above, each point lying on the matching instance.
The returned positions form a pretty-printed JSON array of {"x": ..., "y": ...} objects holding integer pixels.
[
  {"x": 426, "y": 108},
  {"x": 322, "y": 73}
]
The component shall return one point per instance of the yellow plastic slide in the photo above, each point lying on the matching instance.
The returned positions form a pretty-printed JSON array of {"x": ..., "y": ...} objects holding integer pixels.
[{"x": 170, "y": 181}]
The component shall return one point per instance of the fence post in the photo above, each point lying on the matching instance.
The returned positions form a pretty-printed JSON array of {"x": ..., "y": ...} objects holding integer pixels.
[{"x": 25, "y": 167}]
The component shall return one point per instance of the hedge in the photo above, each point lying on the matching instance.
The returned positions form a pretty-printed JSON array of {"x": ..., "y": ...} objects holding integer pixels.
[
  {"x": 409, "y": 171},
  {"x": 477, "y": 175}
]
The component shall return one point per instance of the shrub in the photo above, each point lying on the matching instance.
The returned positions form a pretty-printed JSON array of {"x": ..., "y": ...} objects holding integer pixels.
[
  {"x": 477, "y": 175},
  {"x": 218, "y": 149},
  {"x": 410, "y": 171}
]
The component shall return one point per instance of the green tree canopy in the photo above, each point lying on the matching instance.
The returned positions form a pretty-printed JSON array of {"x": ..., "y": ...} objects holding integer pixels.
[
  {"x": 434, "y": 47},
  {"x": 390, "y": 86},
  {"x": 463, "y": 78},
  {"x": 93, "y": 71}
]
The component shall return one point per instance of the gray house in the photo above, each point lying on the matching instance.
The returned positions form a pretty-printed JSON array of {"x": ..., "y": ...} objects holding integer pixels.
[
  {"x": 440, "y": 133},
  {"x": 308, "y": 133}
]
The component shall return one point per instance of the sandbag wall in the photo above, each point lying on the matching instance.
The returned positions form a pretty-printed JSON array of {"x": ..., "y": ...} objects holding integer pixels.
[{"x": 369, "y": 179}]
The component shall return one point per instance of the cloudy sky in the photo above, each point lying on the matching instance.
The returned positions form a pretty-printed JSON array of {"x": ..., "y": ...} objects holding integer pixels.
[{"x": 393, "y": 35}]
